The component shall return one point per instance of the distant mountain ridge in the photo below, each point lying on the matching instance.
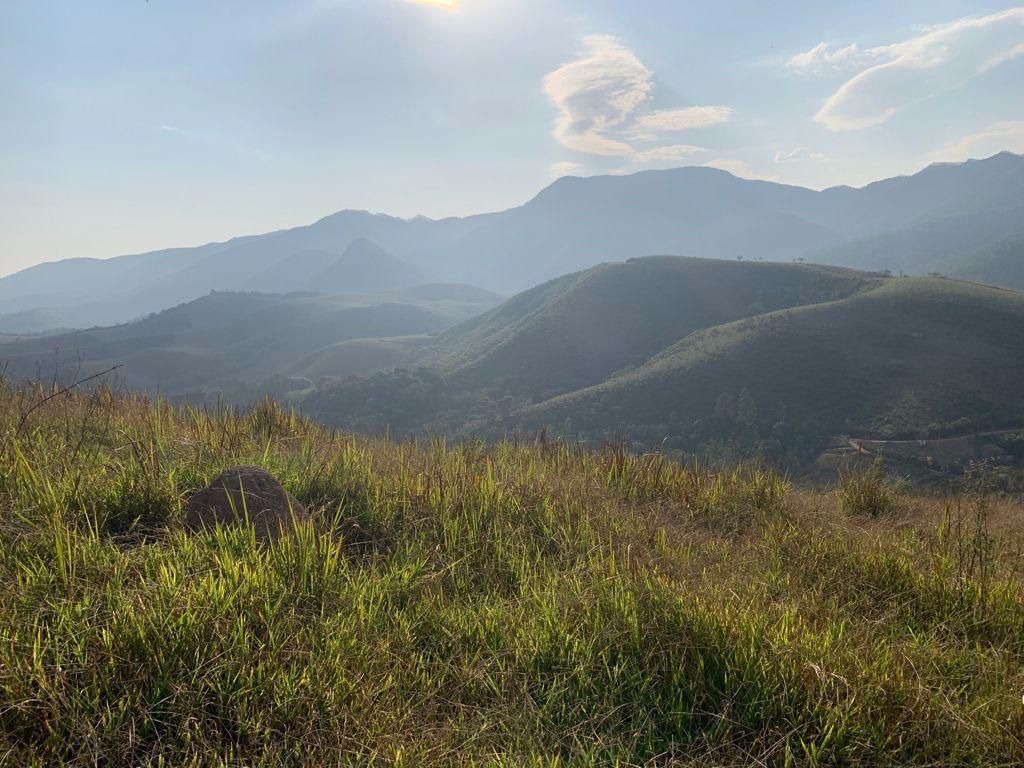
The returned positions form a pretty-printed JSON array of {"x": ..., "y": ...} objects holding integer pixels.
[{"x": 938, "y": 219}]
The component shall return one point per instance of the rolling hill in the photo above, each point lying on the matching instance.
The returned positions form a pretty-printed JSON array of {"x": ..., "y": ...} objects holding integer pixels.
[
  {"x": 235, "y": 342},
  {"x": 580, "y": 329},
  {"x": 892, "y": 360},
  {"x": 946, "y": 214},
  {"x": 686, "y": 349}
]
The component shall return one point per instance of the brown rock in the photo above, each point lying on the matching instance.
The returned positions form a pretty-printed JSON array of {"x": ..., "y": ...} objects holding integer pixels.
[{"x": 242, "y": 493}]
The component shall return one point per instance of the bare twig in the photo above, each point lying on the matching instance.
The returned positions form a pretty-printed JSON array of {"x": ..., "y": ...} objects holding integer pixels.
[{"x": 43, "y": 401}]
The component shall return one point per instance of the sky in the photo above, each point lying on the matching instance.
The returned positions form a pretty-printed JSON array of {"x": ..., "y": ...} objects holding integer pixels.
[{"x": 128, "y": 126}]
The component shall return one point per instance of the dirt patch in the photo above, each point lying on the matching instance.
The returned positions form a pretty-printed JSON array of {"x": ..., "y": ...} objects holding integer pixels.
[{"x": 245, "y": 494}]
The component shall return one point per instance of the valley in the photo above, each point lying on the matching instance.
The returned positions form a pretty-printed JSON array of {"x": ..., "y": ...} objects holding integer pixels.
[
  {"x": 511, "y": 384},
  {"x": 729, "y": 360}
]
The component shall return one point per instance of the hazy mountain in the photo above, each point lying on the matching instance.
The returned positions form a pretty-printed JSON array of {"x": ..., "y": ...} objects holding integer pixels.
[
  {"x": 946, "y": 213},
  {"x": 89, "y": 292},
  {"x": 364, "y": 267},
  {"x": 655, "y": 347},
  {"x": 241, "y": 339},
  {"x": 1000, "y": 264},
  {"x": 949, "y": 244},
  {"x": 31, "y": 321}
]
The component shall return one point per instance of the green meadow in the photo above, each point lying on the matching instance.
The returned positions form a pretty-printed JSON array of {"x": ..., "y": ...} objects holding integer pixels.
[{"x": 516, "y": 604}]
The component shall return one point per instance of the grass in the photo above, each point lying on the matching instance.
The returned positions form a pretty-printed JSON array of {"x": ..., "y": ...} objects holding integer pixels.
[
  {"x": 869, "y": 492},
  {"x": 506, "y": 605}
]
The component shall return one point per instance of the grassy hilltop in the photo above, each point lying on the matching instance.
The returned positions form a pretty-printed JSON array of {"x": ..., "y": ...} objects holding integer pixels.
[
  {"x": 520, "y": 604},
  {"x": 885, "y": 361}
]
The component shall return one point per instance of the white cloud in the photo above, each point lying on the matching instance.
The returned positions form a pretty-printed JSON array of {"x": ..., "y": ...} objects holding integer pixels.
[
  {"x": 668, "y": 152},
  {"x": 662, "y": 121},
  {"x": 603, "y": 101},
  {"x": 213, "y": 141},
  {"x": 558, "y": 170},
  {"x": 1002, "y": 57},
  {"x": 1005, "y": 135},
  {"x": 799, "y": 155},
  {"x": 824, "y": 57},
  {"x": 596, "y": 94},
  {"x": 937, "y": 59}
]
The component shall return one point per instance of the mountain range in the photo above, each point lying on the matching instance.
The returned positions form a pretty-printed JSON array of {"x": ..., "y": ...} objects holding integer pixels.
[{"x": 964, "y": 220}]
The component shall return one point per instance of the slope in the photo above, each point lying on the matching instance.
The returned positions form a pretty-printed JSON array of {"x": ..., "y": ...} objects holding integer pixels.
[
  {"x": 234, "y": 338},
  {"x": 906, "y": 355},
  {"x": 31, "y": 321},
  {"x": 579, "y": 329},
  {"x": 1001, "y": 264},
  {"x": 700, "y": 351}
]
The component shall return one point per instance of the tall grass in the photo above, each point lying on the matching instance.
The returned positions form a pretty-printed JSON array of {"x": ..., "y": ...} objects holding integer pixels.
[
  {"x": 869, "y": 492},
  {"x": 514, "y": 604}
]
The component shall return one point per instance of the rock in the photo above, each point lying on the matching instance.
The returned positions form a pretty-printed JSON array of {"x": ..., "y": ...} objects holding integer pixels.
[{"x": 239, "y": 493}]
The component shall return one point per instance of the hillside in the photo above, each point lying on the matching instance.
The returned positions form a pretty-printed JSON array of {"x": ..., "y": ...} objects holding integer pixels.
[
  {"x": 519, "y": 604},
  {"x": 359, "y": 357},
  {"x": 237, "y": 341},
  {"x": 945, "y": 213},
  {"x": 31, "y": 321},
  {"x": 893, "y": 360},
  {"x": 664, "y": 349},
  {"x": 955, "y": 244},
  {"x": 579, "y": 329}
]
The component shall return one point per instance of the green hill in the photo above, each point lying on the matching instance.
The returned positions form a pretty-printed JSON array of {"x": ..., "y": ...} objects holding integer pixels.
[
  {"x": 664, "y": 348},
  {"x": 892, "y": 360},
  {"x": 579, "y": 329},
  {"x": 359, "y": 357},
  {"x": 235, "y": 341},
  {"x": 520, "y": 604}
]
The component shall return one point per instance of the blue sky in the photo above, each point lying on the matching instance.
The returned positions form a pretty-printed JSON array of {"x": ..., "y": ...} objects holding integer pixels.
[{"x": 128, "y": 126}]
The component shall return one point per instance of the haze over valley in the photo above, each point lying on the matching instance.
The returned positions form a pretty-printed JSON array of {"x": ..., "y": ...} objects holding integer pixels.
[{"x": 338, "y": 317}]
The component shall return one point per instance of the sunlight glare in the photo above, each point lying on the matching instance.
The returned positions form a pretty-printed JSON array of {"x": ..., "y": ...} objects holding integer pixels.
[{"x": 448, "y": 5}]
